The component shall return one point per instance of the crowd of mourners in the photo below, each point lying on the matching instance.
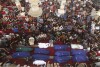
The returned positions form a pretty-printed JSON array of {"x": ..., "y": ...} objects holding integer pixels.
[{"x": 72, "y": 27}]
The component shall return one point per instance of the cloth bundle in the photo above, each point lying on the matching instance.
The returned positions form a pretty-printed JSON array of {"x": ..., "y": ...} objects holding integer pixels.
[
  {"x": 61, "y": 56},
  {"x": 79, "y": 56},
  {"x": 62, "y": 53},
  {"x": 41, "y": 51},
  {"x": 40, "y": 54},
  {"x": 78, "y": 52},
  {"x": 60, "y": 47},
  {"x": 24, "y": 49},
  {"x": 61, "y": 59},
  {"x": 40, "y": 57},
  {"x": 20, "y": 55}
]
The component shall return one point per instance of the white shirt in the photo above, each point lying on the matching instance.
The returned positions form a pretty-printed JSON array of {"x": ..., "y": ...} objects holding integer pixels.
[
  {"x": 76, "y": 46},
  {"x": 43, "y": 45},
  {"x": 31, "y": 41},
  {"x": 39, "y": 62}
]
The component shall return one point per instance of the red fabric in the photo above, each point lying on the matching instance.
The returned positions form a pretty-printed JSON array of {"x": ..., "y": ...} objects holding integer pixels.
[
  {"x": 19, "y": 61},
  {"x": 1, "y": 32},
  {"x": 98, "y": 53},
  {"x": 52, "y": 51},
  {"x": 9, "y": 31},
  {"x": 3, "y": 12},
  {"x": 59, "y": 42},
  {"x": 10, "y": 8}
]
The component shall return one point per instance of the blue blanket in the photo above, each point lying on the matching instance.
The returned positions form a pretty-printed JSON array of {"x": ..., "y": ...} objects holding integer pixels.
[
  {"x": 24, "y": 49},
  {"x": 62, "y": 53},
  {"x": 78, "y": 52},
  {"x": 60, "y": 47},
  {"x": 40, "y": 57},
  {"x": 41, "y": 51},
  {"x": 15, "y": 30},
  {"x": 20, "y": 55},
  {"x": 80, "y": 58},
  {"x": 61, "y": 59}
]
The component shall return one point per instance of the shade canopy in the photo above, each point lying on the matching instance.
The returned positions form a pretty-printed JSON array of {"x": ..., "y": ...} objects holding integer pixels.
[
  {"x": 61, "y": 11},
  {"x": 33, "y": 1},
  {"x": 98, "y": 13},
  {"x": 35, "y": 11}
]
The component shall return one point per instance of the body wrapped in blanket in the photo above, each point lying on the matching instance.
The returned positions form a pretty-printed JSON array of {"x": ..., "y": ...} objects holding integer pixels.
[
  {"x": 20, "y": 55},
  {"x": 61, "y": 59},
  {"x": 40, "y": 57},
  {"x": 62, "y": 53},
  {"x": 41, "y": 51}
]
